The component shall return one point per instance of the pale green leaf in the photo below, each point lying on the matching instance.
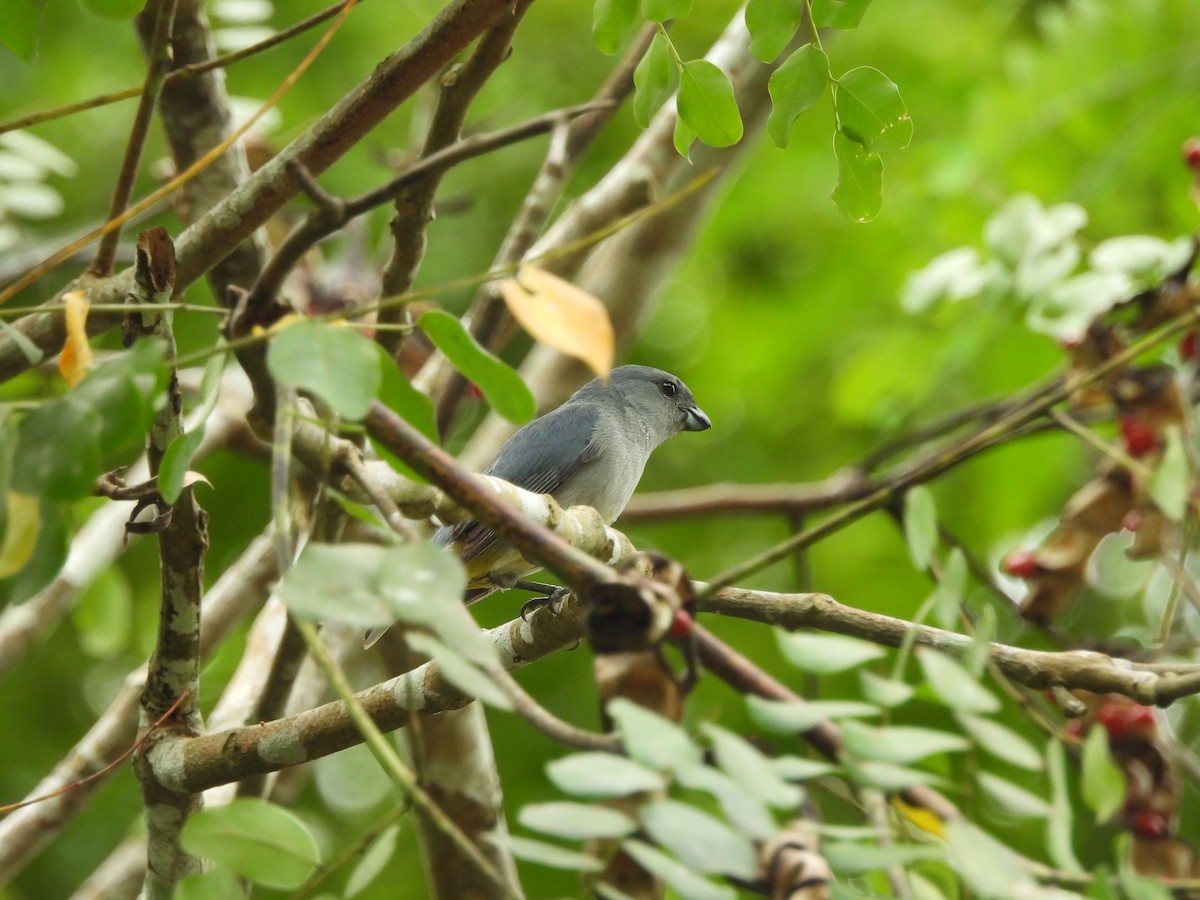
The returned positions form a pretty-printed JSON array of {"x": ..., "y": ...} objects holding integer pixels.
[
  {"x": 793, "y": 718},
  {"x": 920, "y": 525},
  {"x": 824, "y": 654},
  {"x": 844, "y": 14},
  {"x": 544, "y": 854},
  {"x": 337, "y": 365},
  {"x": 953, "y": 684},
  {"x": 679, "y": 877},
  {"x": 1000, "y": 741},
  {"x": 1014, "y": 800},
  {"x": 602, "y": 775},
  {"x": 610, "y": 20},
  {"x": 260, "y": 841},
  {"x": 1170, "y": 485},
  {"x": 576, "y": 821},
  {"x": 651, "y": 739},
  {"x": 378, "y": 855},
  {"x": 702, "y": 842},
  {"x": 1102, "y": 782}
]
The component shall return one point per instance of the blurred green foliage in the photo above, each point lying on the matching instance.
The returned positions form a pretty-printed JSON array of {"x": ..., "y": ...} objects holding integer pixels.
[{"x": 784, "y": 320}]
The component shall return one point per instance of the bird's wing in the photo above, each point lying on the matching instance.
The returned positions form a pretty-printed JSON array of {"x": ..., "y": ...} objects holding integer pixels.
[{"x": 539, "y": 458}]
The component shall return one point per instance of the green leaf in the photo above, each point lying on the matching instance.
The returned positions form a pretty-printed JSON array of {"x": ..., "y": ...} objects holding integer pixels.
[
  {"x": 953, "y": 684},
  {"x": 178, "y": 456},
  {"x": 844, "y": 14},
  {"x": 888, "y": 776},
  {"x": 793, "y": 718},
  {"x": 664, "y": 10},
  {"x": 544, "y": 854},
  {"x": 824, "y": 654},
  {"x": 500, "y": 383},
  {"x": 260, "y": 841},
  {"x": 738, "y": 805},
  {"x": 397, "y": 394},
  {"x": 19, "y": 27},
  {"x": 374, "y": 861},
  {"x": 701, "y": 842},
  {"x": 1060, "y": 824},
  {"x": 652, "y": 79},
  {"x": 336, "y": 364},
  {"x": 858, "y": 193},
  {"x": 794, "y": 768},
  {"x": 976, "y": 658},
  {"x": 746, "y": 764},
  {"x": 884, "y": 691},
  {"x": 213, "y": 884},
  {"x": 984, "y": 864},
  {"x": 898, "y": 743},
  {"x": 58, "y": 450},
  {"x": 113, "y": 9},
  {"x": 856, "y": 858},
  {"x": 365, "y": 585},
  {"x": 103, "y": 616},
  {"x": 1170, "y": 485},
  {"x": 1014, "y": 800},
  {"x": 920, "y": 525},
  {"x": 707, "y": 104},
  {"x": 651, "y": 739},
  {"x": 771, "y": 24},
  {"x": 460, "y": 671},
  {"x": 683, "y": 138},
  {"x": 64, "y": 444},
  {"x": 870, "y": 110},
  {"x": 49, "y": 555},
  {"x": 1102, "y": 782},
  {"x": 576, "y": 821},
  {"x": 680, "y": 878},
  {"x": 602, "y": 775},
  {"x": 610, "y": 20},
  {"x": 1001, "y": 741},
  {"x": 794, "y": 87},
  {"x": 951, "y": 588}
]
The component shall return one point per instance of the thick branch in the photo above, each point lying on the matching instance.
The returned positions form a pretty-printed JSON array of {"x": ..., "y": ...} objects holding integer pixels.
[{"x": 1145, "y": 683}]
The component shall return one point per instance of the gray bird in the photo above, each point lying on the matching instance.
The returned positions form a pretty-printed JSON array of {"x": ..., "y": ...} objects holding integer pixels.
[{"x": 591, "y": 451}]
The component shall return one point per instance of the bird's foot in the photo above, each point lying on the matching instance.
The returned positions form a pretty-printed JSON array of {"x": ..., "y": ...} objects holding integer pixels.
[{"x": 550, "y": 600}]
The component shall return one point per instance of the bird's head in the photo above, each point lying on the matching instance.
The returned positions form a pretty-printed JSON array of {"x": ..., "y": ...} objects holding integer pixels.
[{"x": 659, "y": 399}]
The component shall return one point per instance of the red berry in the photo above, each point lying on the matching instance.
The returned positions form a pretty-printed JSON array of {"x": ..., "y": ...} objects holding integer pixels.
[
  {"x": 1148, "y": 823},
  {"x": 1187, "y": 346},
  {"x": 474, "y": 392},
  {"x": 682, "y": 624},
  {"x": 1020, "y": 564},
  {"x": 1191, "y": 153},
  {"x": 1139, "y": 437},
  {"x": 1122, "y": 719},
  {"x": 1077, "y": 728}
]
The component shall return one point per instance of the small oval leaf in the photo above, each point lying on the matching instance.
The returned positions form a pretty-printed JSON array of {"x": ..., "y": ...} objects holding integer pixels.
[
  {"x": 707, "y": 104},
  {"x": 336, "y": 364},
  {"x": 260, "y": 841},
  {"x": 858, "y": 193},
  {"x": 794, "y": 87},
  {"x": 871, "y": 111},
  {"x": 500, "y": 383}
]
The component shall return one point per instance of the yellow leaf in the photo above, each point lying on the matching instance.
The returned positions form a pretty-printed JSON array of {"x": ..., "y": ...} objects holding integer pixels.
[
  {"x": 923, "y": 818},
  {"x": 22, "y": 533},
  {"x": 561, "y": 315},
  {"x": 77, "y": 352}
]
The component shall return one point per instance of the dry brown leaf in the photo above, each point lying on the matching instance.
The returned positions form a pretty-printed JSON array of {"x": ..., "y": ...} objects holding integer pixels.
[
  {"x": 562, "y": 316},
  {"x": 77, "y": 352}
]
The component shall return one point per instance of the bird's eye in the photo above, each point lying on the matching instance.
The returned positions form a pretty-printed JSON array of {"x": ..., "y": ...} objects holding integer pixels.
[{"x": 669, "y": 389}]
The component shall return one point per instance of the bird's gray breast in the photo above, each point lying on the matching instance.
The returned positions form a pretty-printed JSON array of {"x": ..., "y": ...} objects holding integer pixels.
[{"x": 618, "y": 455}]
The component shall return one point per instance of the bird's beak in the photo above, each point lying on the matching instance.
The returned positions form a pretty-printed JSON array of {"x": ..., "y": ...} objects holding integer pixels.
[{"x": 696, "y": 420}]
